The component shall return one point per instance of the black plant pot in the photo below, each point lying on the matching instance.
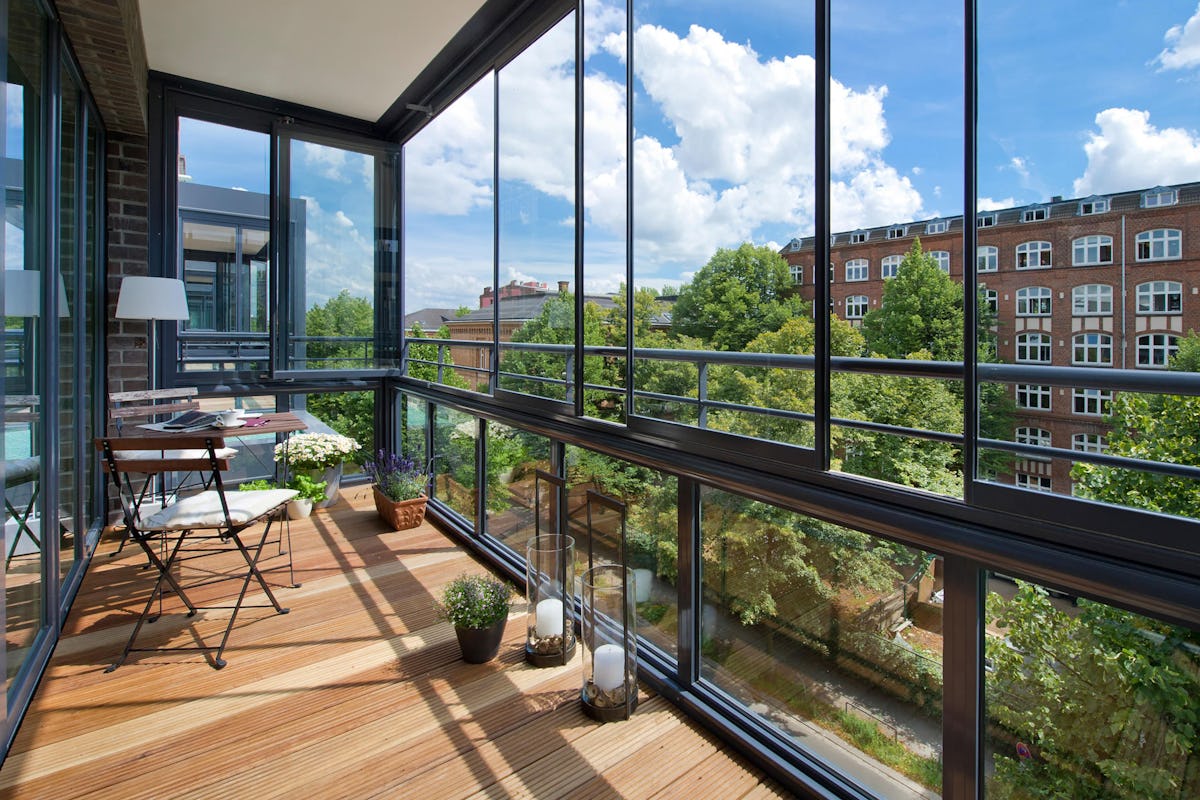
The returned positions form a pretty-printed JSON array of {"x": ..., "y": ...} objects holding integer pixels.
[{"x": 480, "y": 645}]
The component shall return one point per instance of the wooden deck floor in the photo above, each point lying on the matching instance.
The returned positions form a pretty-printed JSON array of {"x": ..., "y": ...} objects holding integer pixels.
[{"x": 358, "y": 692}]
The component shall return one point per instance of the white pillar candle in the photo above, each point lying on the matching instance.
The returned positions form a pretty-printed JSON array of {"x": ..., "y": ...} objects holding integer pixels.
[
  {"x": 608, "y": 671},
  {"x": 549, "y": 618}
]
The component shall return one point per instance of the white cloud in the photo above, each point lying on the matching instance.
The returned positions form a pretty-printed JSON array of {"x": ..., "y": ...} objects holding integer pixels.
[
  {"x": 1129, "y": 152},
  {"x": 328, "y": 162},
  {"x": 341, "y": 219},
  {"x": 1183, "y": 45},
  {"x": 448, "y": 165},
  {"x": 990, "y": 204},
  {"x": 1020, "y": 166},
  {"x": 336, "y": 255}
]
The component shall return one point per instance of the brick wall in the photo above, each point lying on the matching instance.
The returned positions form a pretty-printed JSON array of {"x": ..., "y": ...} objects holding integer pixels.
[{"x": 128, "y": 252}]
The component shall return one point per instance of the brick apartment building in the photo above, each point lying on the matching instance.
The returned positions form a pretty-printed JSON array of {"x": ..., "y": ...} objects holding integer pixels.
[{"x": 1098, "y": 281}]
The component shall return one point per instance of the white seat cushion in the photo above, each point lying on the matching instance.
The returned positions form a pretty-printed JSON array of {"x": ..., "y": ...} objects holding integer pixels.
[
  {"x": 151, "y": 455},
  {"x": 204, "y": 510}
]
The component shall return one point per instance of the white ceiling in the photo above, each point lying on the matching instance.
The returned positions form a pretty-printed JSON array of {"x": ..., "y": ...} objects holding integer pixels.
[{"x": 352, "y": 57}]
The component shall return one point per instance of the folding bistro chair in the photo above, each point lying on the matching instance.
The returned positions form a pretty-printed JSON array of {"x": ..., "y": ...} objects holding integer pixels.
[{"x": 214, "y": 519}]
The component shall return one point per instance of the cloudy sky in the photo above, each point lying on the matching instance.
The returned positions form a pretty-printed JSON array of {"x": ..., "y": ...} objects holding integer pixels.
[{"x": 1094, "y": 98}]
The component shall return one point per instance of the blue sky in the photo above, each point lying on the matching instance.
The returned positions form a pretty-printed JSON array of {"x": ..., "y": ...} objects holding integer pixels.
[{"x": 1091, "y": 97}]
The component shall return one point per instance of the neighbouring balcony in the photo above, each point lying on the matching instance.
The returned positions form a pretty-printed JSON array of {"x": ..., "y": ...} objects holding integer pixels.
[{"x": 358, "y": 692}]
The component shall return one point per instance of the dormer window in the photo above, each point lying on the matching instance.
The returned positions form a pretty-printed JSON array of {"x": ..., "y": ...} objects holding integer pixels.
[
  {"x": 1160, "y": 196},
  {"x": 937, "y": 226},
  {"x": 1093, "y": 205},
  {"x": 986, "y": 221},
  {"x": 858, "y": 237},
  {"x": 895, "y": 232},
  {"x": 832, "y": 239},
  {"x": 793, "y": 246},
  {"x": 1035, "y": 214}
]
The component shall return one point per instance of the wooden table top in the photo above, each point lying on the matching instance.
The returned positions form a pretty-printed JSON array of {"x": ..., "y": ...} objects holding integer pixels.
[{"x": 276, "y": 422}]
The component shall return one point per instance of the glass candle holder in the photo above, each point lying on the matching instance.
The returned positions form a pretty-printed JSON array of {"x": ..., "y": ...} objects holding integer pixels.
[
  {"x": 549, "y": 582},
  {"x": 609, "y": 643}
]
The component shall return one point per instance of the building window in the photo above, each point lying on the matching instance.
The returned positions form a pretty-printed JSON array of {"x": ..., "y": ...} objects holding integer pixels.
[
  {"x": 987, "y": 258},
  {"x": 1092, "y": 350},
  {"x": 1093, "y": 205},
  {"x": 1033, "y": 396},
  {"x": 1159, "y": 197},
  {"x": 1035, "y": 214},
  {"x": 832, "y": 239},
  {"x": 895, "y": 232},
  {"x": 890, "y": 266},
  {"x": 986, "y": 221},
  {"x": 858, "y": 237},
  {"x": 1038, "y": 483},
  {"x": 856, "y": 306},
  {"x": 1089, "y": 443},
  {"x": 937, "y": 226},
  {"x": 1091, "y": 402},
  {"x": 857, "y": 269},
  {"x": 1159, "y": 245},
  {"x": 1091, "y": 250},
  {"x": 942, "y": 259},
  {"x": 1154, "y": 350},
  {"x": 1033, "y": 348},
  {"x": 1038, "y": 437},
  {"x": 992, "y": 298},
  {"x": 1034, "y": 301},
  {"x": 1091, "y": 299},
  {"x": 1033, "y": 255},
  {"x": 1160, "y": 297},
  {"x": 797, "y": 271}
]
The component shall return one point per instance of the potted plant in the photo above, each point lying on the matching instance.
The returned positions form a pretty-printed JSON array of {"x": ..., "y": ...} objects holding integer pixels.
[
  {"x": 642, "y": 548},
  {"x": 320, "y": 455},
  {"x": 399, "y": 489},
  {"x": 477, "y": 606},
  {"x": 301, "y": 506}
]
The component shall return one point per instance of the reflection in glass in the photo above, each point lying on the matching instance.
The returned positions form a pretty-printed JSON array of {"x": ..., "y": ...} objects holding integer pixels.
[
  {"x": 68, "y": 527},
  {"x": 513, "y": 456},
  {"x": 454, "y": 437},
  {"x": 448, "y": 198},
  {"x": 827, "y": 632},
  {"x": 536, "y": 196},
  {"x": 1087, "y": 700}
]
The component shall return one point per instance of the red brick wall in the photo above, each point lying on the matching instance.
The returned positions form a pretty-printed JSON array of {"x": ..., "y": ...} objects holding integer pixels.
[{"x": 128, "y": 253}]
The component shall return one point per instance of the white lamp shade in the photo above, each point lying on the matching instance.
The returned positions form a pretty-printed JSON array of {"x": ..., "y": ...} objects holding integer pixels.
[
  {"x": 152, "y": 298},
  {"x": 23, "y": 294}
]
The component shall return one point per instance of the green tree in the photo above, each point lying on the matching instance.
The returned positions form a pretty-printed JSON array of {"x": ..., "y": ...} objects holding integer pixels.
[
  {"x": 921, "y": 309},
  {"x": 342, "y": 316},
  {"x": 736, "y": 296},
  {"x": 423, "y": 359}
]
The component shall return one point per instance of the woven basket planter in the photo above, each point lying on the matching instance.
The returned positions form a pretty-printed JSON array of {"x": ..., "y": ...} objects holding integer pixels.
[{"x": 401, "y": 515}]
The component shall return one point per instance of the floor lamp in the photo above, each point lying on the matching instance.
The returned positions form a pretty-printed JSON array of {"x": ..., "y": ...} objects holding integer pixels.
[{"x": 152, "y": 299}]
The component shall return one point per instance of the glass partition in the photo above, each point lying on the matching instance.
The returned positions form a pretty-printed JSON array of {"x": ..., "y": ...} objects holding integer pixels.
[
  {"x": 62, "y": 526},
  {"x": 829, "y": 633},
  {"x": 454, "y": 439},
  {"x": 513, "y": 458}
]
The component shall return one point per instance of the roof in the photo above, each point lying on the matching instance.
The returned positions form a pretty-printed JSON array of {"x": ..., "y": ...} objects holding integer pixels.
[
  {"x": 430, "y": 319},
  {"x": 527, "y": 307}
]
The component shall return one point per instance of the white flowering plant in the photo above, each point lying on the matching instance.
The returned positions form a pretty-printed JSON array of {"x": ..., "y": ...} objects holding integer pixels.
[{"x": 316, "y": 450}]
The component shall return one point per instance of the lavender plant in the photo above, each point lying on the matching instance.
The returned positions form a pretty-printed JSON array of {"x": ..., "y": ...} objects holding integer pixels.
[{"x": 398, "y": 477}]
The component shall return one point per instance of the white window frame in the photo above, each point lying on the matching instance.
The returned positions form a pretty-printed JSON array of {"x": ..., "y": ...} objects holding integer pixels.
[
  {"x": 1035, "y": 301},
  {"x": 1092, "y": 300},
  {"x": 1034, "y": 347},
  {"x": 1033, "y": 396},
  {"x": 1092, "y": 349},
  {"x": 1159, "y": 197},
  {"x": 1035, "y": 214},
  {"x": 858, "y": 237},
  {"x": 992, "y": 298},
  {"x": 895, "y": 232},
  {"x": 1089, "y": 443},
  {"x": 937, "y": 226},
  {"x": 1154, "y": 350},
  {"x": 987, "y": 258},
  {"x": 856, "y": 306},
  {"x": 942, "y": 257},
  {"x": 1038, "y": 437},
  {"x": 1093, "y": 205},
  {"x": 1034, "y": 483},
  {"x": 1035, "y": 255},
  {"x": 1088, "y": 251},
  {"x": 985, "y": 221},
  {"x": 797, "y": 273},
  {"x": 889, "y": 267},
  {"x": 857, "y": 269},
  {"x": 1094, "y": 402},
  {"x": 1159, "y": 244},
  {"x": 1155, "y": 297}
]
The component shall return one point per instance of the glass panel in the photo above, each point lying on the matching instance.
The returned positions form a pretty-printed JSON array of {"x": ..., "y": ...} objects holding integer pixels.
[
  {"x": 454, "y": 436},
  {"x": 223, "y": 217},
  {"x": 1100, "y": 148},
  {"x": 331, "y": 272},
  {"x": 652, "y": 534},
  {"x": 513, "y": 457},
  {"x": 828, "y": 633},
  {"x": 23, "y": 155},
  {"x": 723, "y": 172},
  {"x": 93, "y": 357},
  {"x": 448, "y": 241},
  {"x": 67, "y": 527},
  {"x": 536, "y": 193},
  {"x": 348, "y": 413},
  {"x": 1087, "y": 700},
  {"x": 896, "y": 141},
  {"x": 414, "y": 415}
]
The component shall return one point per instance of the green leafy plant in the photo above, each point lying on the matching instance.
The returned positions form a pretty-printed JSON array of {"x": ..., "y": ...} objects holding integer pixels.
[
  {"x": 475, "y": 601},
  {"x": 256, "y": 485},
  {"x": 398, "y": 477},
  {"x": 308, "y": 488}
]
